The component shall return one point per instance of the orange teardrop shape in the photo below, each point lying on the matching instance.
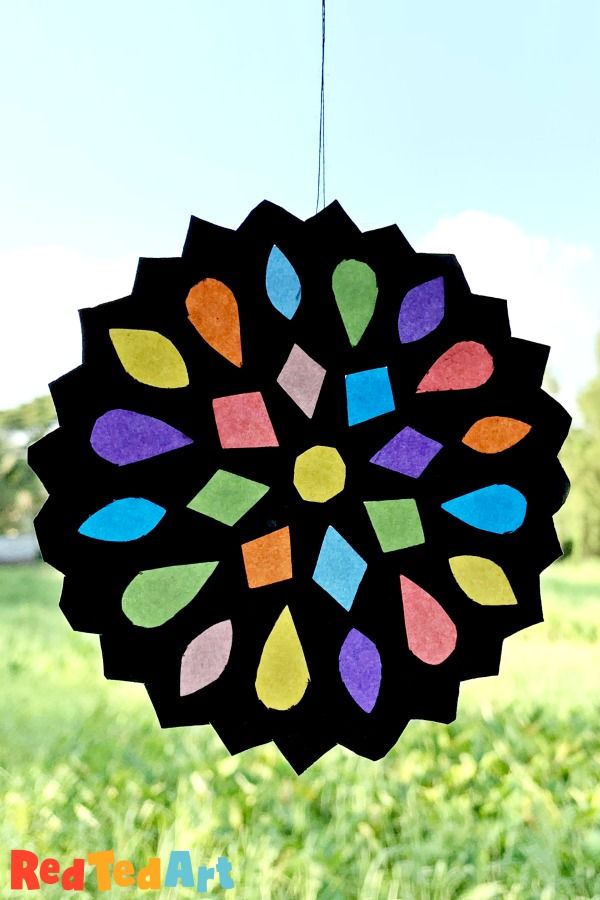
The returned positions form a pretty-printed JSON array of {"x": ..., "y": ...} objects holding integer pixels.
[
  {"x": 213, "y": 311},
  {"x": 495, "y": 433}
]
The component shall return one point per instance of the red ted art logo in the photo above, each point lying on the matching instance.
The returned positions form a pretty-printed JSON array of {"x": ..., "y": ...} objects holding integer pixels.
[{"x": 29, "y": 873}]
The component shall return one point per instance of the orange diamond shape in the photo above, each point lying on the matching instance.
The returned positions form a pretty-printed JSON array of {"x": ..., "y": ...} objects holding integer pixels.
[{"x": 268, "y": 559}]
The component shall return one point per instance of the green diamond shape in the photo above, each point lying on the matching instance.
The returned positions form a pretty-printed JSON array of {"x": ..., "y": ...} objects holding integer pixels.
[
  {"x": 397, "y": 523},
  {"x": 227, "y": 497}
]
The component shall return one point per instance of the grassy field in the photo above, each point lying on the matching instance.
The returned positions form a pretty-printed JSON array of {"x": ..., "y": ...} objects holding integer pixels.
[{"x": 504, "y": 803}]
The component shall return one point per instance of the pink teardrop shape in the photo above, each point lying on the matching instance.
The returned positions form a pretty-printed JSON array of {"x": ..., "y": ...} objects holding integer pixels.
[
  {"x": 430, "y": 631},
  {"x": 205, "y": 657},
  {"x": 465, "y": 365}
]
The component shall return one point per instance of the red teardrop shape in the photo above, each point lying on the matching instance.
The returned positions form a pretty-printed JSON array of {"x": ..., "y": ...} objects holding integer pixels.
[
  {"x": 430, "y": 631},
  {"x": 467, "y": 364}
]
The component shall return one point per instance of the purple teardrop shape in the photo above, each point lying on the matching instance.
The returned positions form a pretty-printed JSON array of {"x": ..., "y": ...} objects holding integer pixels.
[
  {"x": 360, "y": 668},
  {"x": 421, "y": 311},
  {"x": 122, "y": 436}
]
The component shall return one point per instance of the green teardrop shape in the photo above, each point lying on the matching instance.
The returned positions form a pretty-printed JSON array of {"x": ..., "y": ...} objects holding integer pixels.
[
  {"x": 355, "y": 290},
  {"x": 154, "y": 596}
]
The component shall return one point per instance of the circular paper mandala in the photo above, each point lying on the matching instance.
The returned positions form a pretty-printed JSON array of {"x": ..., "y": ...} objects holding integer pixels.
[{"x": 302, "y": 484}]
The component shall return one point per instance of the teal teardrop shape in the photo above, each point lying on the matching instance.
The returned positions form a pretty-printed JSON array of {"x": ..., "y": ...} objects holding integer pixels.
[
  {"x": 282, "y": 282},
  {"x": 123, "y": 520},
  {"x": 498, "y": 508}
]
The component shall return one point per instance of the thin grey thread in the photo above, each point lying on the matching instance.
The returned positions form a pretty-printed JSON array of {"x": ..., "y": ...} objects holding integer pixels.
[{"x": 321, "y": 163}]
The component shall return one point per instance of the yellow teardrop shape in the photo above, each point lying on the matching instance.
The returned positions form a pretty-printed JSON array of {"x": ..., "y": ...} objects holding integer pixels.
[
  {"x": 482, "y": 580},
  {"x": 150, "y": 357},
  {"x": 282, "y": 675}
]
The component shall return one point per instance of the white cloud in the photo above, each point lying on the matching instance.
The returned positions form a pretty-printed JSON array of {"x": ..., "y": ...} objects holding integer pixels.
[
  {"x": 41, "y": 289},
  {"x": 551, "y": 287}
]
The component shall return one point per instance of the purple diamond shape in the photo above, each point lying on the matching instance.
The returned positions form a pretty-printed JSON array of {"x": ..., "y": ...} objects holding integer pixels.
[{"x": 408, "y": 453}]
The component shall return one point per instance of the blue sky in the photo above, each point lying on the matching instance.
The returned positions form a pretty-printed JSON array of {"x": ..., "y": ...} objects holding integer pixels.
[{"x": 472, "y": 125}]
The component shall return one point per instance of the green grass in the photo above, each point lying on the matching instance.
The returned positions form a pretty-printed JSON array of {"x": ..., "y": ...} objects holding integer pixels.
[{"x": 503, "y": 803}]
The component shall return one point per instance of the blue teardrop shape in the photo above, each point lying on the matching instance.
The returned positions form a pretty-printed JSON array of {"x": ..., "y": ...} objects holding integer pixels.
[
  {"x": 499, "y": 508},
  {"x": 283, "y": 284},
  {"x": 123, "y": 520}
]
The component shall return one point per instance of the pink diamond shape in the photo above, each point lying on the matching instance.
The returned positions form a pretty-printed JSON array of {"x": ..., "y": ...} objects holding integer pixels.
[
  {"x": 243, "y": 421},
  {"x": 302, "y": 378}
]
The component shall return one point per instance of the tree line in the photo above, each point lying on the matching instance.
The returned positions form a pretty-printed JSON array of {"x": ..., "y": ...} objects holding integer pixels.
[{"x": 578, "y": 522}]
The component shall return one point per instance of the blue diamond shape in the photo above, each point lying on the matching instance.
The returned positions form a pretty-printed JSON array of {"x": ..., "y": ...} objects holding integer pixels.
[
  {"x": 368, "y": 394},
  {"x": 339, "y": 568}
]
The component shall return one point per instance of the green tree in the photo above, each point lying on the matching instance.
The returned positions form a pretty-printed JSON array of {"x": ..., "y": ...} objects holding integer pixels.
[
  {"x": 579, "y": 521},
  {"x": 21, "y": 493}
]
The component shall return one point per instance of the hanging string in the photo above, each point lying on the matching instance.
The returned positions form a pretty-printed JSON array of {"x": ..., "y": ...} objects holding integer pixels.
[{"x": 321, "y": 163}]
